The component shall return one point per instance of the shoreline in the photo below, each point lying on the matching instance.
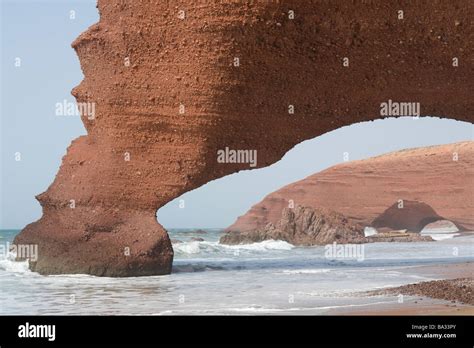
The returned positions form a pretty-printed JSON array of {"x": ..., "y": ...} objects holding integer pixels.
[{"x": 436, "y": 297}]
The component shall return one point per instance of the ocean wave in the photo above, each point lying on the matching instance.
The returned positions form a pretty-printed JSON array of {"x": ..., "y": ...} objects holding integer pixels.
[
  {"x": 9, "y": 264},
  {"x": 190, "y": 268},
  {"x": 193, "y": 247},
  {"x": 441, "y": 236},
  {"x": 196, "y": 247},
  {"x": 262, "y": 246},
  {"x": 306, "y": 271},
  {"x": 255, "y": 309}
]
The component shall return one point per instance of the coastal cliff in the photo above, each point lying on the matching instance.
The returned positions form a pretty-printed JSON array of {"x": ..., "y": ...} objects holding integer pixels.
[
  {"x": 368, "y": 192},
  {"x": 175, "y": 82}
]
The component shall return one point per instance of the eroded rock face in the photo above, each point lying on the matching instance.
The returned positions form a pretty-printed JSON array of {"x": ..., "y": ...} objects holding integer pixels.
[
  {"x": 174, "y": 82},
  {"x": 309, "y": 226},
  {"x": 303, "y": 226},
  {"x": 439, "y": 176},
  {"x": 405, "y": 214}
]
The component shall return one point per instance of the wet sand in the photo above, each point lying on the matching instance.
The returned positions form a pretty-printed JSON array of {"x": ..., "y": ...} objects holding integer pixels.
[{"x": 441, "y": 297}]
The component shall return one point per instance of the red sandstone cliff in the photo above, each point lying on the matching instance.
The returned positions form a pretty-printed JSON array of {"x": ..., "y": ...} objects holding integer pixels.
[
  {"x": 175, "y": 81},
  {"x": 363, "y": 190}
]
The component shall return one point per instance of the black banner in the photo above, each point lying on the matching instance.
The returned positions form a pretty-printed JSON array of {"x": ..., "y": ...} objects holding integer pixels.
[{"x": 241, "y": 330}]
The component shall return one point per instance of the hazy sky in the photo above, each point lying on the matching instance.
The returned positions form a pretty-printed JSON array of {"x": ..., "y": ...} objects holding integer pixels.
[{"x": 40, "y": 34}]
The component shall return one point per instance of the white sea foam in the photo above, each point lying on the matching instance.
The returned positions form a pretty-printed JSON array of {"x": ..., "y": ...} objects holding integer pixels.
[
  {"x": 9, "y": 264},
  {"x": 167, "y": 312},
  {"x": 441, "y": 236},
  {"x": 195, "y": 247},
  {"x": 261, "y": 309},
  {"x": 369, "y": 231},
  {"x": 262, "y": 246},
  {"x": 306, "y": 271},
  {"x": 187, "y": 248},
  {"x": 440, "y": 230},
  {"x": 255, "y": 309}
]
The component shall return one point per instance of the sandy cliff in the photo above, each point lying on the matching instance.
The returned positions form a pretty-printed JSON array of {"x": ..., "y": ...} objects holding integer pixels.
[{"x": 364, "y": 190}]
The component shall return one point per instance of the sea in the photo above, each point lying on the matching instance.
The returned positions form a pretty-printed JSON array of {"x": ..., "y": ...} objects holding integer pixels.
[{"x": 209, "y": 278}]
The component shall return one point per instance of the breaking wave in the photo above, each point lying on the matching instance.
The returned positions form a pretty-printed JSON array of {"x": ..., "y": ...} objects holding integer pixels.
[
  {"x": 196, "y": 247},
  {"x": 8, "y": 263}
]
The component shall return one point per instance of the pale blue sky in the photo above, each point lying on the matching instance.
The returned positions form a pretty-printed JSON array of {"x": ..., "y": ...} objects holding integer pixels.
[{"x": 41, "y": 32}]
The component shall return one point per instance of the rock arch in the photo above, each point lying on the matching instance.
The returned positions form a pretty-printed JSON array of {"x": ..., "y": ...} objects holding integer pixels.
[
  {"x": 169, "y": 92},
  {"x": 410, "y": 215}
]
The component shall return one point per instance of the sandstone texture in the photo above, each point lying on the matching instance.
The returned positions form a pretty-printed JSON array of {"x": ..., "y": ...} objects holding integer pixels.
[
  {"x": 176, "y": 81},
  {"x": 308, "y": 226},
  {"x": 303, "y": 226},
  {"x": 429, "y": 182}
]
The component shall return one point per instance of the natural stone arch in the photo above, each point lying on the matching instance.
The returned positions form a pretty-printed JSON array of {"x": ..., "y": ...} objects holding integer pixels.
[
  {"x": 169, "y": 93},
  {"x": 410, "y": 215}
]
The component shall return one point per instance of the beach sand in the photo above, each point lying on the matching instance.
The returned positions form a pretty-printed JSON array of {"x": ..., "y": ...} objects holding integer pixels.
[{"x": 426, "y": 298}]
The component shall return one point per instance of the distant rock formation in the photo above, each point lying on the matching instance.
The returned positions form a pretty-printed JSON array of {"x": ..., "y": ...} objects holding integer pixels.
[
  {"x": 308, "y": 226},
  {"x": 442, "y": 177},
  {"x": 410, "y": 215},
  {"x": 403, "y": 235},
  {"x": 175, "y": 82},
  {"x": 302, "y": 226}
]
